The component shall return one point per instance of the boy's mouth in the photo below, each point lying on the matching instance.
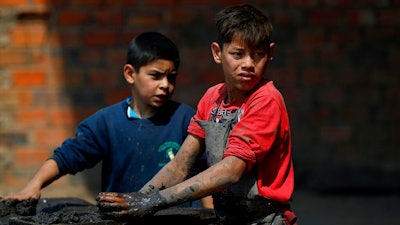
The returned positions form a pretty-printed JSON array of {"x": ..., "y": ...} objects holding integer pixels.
[{"x": 161, "y": 98}]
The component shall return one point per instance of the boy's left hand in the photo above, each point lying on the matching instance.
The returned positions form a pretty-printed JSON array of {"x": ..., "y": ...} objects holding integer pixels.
[{"x": 132, "y": 204}]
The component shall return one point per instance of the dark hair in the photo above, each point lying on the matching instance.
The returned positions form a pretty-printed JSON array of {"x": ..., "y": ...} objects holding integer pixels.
[
  {"x": 150, "y": 46},
  {"x": 245, "y": 23}
]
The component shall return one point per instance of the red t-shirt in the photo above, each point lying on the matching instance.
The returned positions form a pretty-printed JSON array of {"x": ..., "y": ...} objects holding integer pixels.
[{"x": 261, "y": 136}]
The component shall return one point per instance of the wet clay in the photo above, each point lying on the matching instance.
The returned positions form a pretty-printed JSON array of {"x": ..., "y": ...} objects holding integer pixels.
[
  {"x": 59, "y": 211},
  {"x": 13, "y": 207}
]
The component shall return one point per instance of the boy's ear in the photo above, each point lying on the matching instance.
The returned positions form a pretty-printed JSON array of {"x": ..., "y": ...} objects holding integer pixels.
[
  {"x": 129, "y": 72},
  {"x": 216, "y": 52},
  {"x": 271, "y": 51}
]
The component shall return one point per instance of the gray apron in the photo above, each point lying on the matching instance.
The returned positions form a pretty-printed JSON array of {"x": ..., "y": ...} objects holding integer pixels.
[{"x": 241, "y": 201}]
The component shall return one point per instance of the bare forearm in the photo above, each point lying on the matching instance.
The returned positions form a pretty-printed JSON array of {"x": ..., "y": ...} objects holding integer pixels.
[{"x": 47, "y": 173}]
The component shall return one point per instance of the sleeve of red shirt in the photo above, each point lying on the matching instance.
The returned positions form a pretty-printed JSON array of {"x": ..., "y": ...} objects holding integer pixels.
[{"x": 254, "y": 135}]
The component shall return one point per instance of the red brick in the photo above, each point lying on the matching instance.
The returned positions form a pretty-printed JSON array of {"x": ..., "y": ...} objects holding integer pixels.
[
  {"x": 13, "y": 2},
  {"x": 341, "y": 3},
  {"x": 332, "y": 96},
  {"x": 389, "y": 17},
  {"x": 57, "y": 3},
  {"x": 87, "y": 3},
  {"x": 91, "y": 56},
  {"x": 71, "y": 77},
  {"x": 63, "y": 38},
  {"x": 29, "y": 35},
  {"x": 121, "y": 3},
  {"x": 179, "y": 16},
  {"x": 127, "y": 37},
  {"x": 344, "y": 37},
  {"x": 70, "y": 17},
  {"x": 211, "y": 76},
  {"x": 28, "y": 156},
  {"x": 103, "y": 78},
  {"x": 64, "y": 117},
  {"x": 29, "y": 77},
  {"x": 302, "y": 3},
  {"x": 160, "y": 3},
  {"x": 100, "y": 38},
  {"x": 145, "y": 20},
  {"x": 294, "y": 95},
  {"x": 354, "y": 114},
  {"x": 336, "y": 133},
  {"x": 282, "y": 76},
  {"x": 224, "y": 3},
  {"x": 30, "y": 117},
  {"x": 349, "y": 76},
  {"x": 185, "y": 77},
  {"x": 8, "y": 98},
  {"x": 104, "y": 17},
  {"x": 25, "y": 98},
  {"x": 117, "y": 95},
  {"x": 283, "y": 17},
  {"x": 51, "y": 138},
  {"x": 353, "y": 17},
  {"x": 14, "y": 181},
  {"x": 323, "y": 17},
  {"x": 195, "y": 2},
  {"x": 311, "y": 38},
  {"x": 116, "y": 56},
  {"x": 316, "y": 77},
  {"x": 42, "y": 2},
  {"x": 12, "y": 57}
]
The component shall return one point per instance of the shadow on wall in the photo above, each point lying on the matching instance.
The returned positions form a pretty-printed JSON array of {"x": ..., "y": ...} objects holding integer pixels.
[{"x": 92, "y": 49}]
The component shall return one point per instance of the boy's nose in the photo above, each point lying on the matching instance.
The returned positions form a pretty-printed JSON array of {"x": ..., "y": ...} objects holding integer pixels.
[
  {"x": 248, "y": 61},
  {"x": 164, "y": 83}
]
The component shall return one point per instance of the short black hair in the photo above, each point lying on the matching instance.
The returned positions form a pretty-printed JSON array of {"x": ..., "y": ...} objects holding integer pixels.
[
  {"x": 150, "y": 46},
  {"x": 244, "y": 22}
]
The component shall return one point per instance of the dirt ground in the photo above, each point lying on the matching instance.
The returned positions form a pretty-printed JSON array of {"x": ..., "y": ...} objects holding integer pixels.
[
  {"x": 347, "y": 208},
  {"x": 311, "y": 208}
]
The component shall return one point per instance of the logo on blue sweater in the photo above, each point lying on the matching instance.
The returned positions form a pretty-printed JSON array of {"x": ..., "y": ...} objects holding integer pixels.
[{"x": 170, "y": 148}]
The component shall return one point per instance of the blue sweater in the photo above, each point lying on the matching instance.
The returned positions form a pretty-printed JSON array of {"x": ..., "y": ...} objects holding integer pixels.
[{"x": 132, "y": 150}]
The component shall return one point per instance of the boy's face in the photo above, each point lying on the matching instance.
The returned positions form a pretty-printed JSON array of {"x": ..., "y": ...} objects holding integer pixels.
[
  {"x": 153, "y": 84},
  {"x": 243, "y": 67}
]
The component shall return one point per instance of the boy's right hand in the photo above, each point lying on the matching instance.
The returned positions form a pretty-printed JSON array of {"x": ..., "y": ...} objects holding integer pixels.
[
  {"x": 134, "y": 204},
  {"x": 25, "y": 194}
]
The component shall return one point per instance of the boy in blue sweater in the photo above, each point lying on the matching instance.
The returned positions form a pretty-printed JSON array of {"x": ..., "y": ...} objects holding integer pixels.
[{"x": 133, "y": 138}]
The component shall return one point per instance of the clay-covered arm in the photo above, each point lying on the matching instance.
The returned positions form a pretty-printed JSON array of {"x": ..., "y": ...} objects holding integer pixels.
[
  {"x": 177, "y": 169},
  {"x": 214, "y": 179}
]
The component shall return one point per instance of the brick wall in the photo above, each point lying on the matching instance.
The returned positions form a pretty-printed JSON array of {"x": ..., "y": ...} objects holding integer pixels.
[{"x": 334, "y": 63}]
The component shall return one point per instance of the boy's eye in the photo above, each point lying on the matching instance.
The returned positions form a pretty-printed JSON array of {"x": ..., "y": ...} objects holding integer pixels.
[
  {"x": 237, "y": 54},
  {"x": 159, "y": 76},
  {"x": 259, "y": 54},
  {"x": 156, "y": 75}
]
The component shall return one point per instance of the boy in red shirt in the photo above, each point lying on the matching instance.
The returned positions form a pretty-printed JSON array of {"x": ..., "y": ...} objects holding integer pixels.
[{"x": 242, "y": 125}]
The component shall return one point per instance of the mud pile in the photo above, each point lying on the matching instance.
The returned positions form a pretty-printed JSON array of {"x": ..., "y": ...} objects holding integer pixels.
[
  {"x": 57, "y": 211},
  {"x": 13, "y": 208}
]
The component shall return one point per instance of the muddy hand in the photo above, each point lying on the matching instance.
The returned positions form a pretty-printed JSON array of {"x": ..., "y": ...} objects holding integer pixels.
[{"x": 132, "y": 204}]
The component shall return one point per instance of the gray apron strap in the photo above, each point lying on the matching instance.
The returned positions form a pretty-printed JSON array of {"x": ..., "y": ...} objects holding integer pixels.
[{"x": 216, "y": 140}]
